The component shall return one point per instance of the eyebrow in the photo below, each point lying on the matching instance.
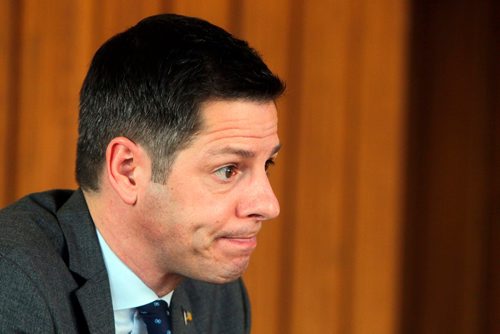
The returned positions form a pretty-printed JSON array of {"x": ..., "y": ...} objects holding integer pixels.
[{"x": 240, "y": 152}]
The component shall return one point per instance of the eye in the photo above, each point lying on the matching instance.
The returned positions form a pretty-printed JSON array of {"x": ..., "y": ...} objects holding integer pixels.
[{"x": 226, "y": 172}]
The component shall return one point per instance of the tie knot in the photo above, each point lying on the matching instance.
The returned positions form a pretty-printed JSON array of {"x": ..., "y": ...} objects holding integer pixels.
[{"x": 156, "y": 316}]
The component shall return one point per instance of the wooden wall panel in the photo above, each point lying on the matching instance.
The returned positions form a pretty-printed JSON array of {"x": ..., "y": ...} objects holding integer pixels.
[
  {"x": 349, "y": 167},
  {"x": 322, "y": 264},
  {"x": 8, "y": 100},
  {"x": 451, "y": 207},
  {"x": 113, "y": 16},
  {"x": 48, "y": 93},
  {"x": 380, "y": 158},
  {"x": 219, "y": 12},
  {"x": 332, "y": 262}
]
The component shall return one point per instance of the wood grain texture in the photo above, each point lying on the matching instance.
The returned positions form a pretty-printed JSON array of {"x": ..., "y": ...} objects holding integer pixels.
[
  {"x": 219, "y": 12},
  {"x": 348, "y": 208},
  {"x": 48, "y": 96},
  {"x": 5, "y": 93},
  {"x": 379, "y": 188},
  {"x": 322, "y": 249},
  {"x": 451, "y": 166},
  {"x": 8, "y": 97},
  {"x": 388, "y": 131}
]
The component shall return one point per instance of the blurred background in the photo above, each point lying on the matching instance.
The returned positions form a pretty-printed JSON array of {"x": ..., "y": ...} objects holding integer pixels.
[{"x": 387, "y": 178}]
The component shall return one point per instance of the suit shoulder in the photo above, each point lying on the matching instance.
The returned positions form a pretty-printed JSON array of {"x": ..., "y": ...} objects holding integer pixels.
[
  {"x": 41, "y": 202},
  {"x": 31, "y": 223}
]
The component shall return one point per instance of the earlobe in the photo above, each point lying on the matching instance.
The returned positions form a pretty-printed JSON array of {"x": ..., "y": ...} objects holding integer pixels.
[{"x": 123, "y": 163}]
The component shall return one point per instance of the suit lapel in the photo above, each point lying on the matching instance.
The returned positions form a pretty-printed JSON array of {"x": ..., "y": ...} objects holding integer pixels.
[
  {"x": 86, "y": 262},
  {"x": 184, "y": 320},
  {"x": 96, "y": 306}
]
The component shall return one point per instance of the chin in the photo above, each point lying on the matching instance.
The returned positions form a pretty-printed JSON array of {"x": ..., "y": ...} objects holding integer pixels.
[
  {"x": 234, "y": 273},
  {"x": 225, "y": 275}
]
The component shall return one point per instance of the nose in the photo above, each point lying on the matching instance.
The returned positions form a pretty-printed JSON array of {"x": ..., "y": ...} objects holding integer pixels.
[{"x": 258, "y": 200}]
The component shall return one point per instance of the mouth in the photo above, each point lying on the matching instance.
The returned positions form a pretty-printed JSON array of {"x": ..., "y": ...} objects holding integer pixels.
[{"x": 239, "y": 244}]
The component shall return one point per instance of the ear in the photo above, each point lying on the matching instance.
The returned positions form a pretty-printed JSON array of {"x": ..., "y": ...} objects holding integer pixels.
[{"x": 127, "y": 168}]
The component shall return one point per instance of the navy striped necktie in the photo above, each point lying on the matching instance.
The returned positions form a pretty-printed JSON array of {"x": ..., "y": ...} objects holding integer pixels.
[{"x": 156, "y": 316}]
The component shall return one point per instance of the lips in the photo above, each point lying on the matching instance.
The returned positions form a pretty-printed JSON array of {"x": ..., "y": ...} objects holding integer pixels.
[{"x": 240, "y": 243}]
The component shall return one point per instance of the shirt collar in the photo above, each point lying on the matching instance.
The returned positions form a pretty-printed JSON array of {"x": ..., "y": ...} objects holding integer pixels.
[{"x": 127, "y": 290}]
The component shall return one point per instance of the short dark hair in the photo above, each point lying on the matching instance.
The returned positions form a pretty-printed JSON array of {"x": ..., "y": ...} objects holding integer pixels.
[{"x": 149, "y": 82}]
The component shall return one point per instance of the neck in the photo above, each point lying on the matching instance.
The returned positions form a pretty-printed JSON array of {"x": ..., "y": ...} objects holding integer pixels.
[{"x": 118, "y": 230}]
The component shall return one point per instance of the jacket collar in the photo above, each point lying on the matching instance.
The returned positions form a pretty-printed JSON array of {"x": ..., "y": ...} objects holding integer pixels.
[{"x": 86, "y": 263}]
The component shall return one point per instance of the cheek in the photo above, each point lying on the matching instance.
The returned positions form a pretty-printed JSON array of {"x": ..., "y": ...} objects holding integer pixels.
[
  {"x": 205, "y": 213},
  {"x": 205, "y": 233},
  {"x": 198, "y": 216},
  {"x": 190, "y": 229}
]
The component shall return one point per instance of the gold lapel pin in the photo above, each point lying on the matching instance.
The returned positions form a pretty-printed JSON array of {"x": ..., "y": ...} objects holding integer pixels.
[{"x": 188, "y": 317}]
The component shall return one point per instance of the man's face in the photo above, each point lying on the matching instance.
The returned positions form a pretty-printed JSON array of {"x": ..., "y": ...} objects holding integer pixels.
[{"x": 204, "y": 220}]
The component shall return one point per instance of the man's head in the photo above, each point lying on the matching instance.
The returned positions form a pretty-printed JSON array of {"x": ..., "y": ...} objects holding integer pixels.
[
  {"x": 177, "y": 129},
  {"x": 148, "y": 84}
]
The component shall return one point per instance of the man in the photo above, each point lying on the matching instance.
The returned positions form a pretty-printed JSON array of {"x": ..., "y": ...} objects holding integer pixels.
[{"x": 177, "y": 129}]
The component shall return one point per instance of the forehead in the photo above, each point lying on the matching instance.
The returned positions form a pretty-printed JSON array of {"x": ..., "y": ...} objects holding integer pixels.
[
  {"x": 239, "y": 118},
  {"x": 231, "y": 130}
]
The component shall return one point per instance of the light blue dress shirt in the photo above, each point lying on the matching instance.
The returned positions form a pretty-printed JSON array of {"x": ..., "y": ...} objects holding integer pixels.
[{"x": 127, "y": 293}]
